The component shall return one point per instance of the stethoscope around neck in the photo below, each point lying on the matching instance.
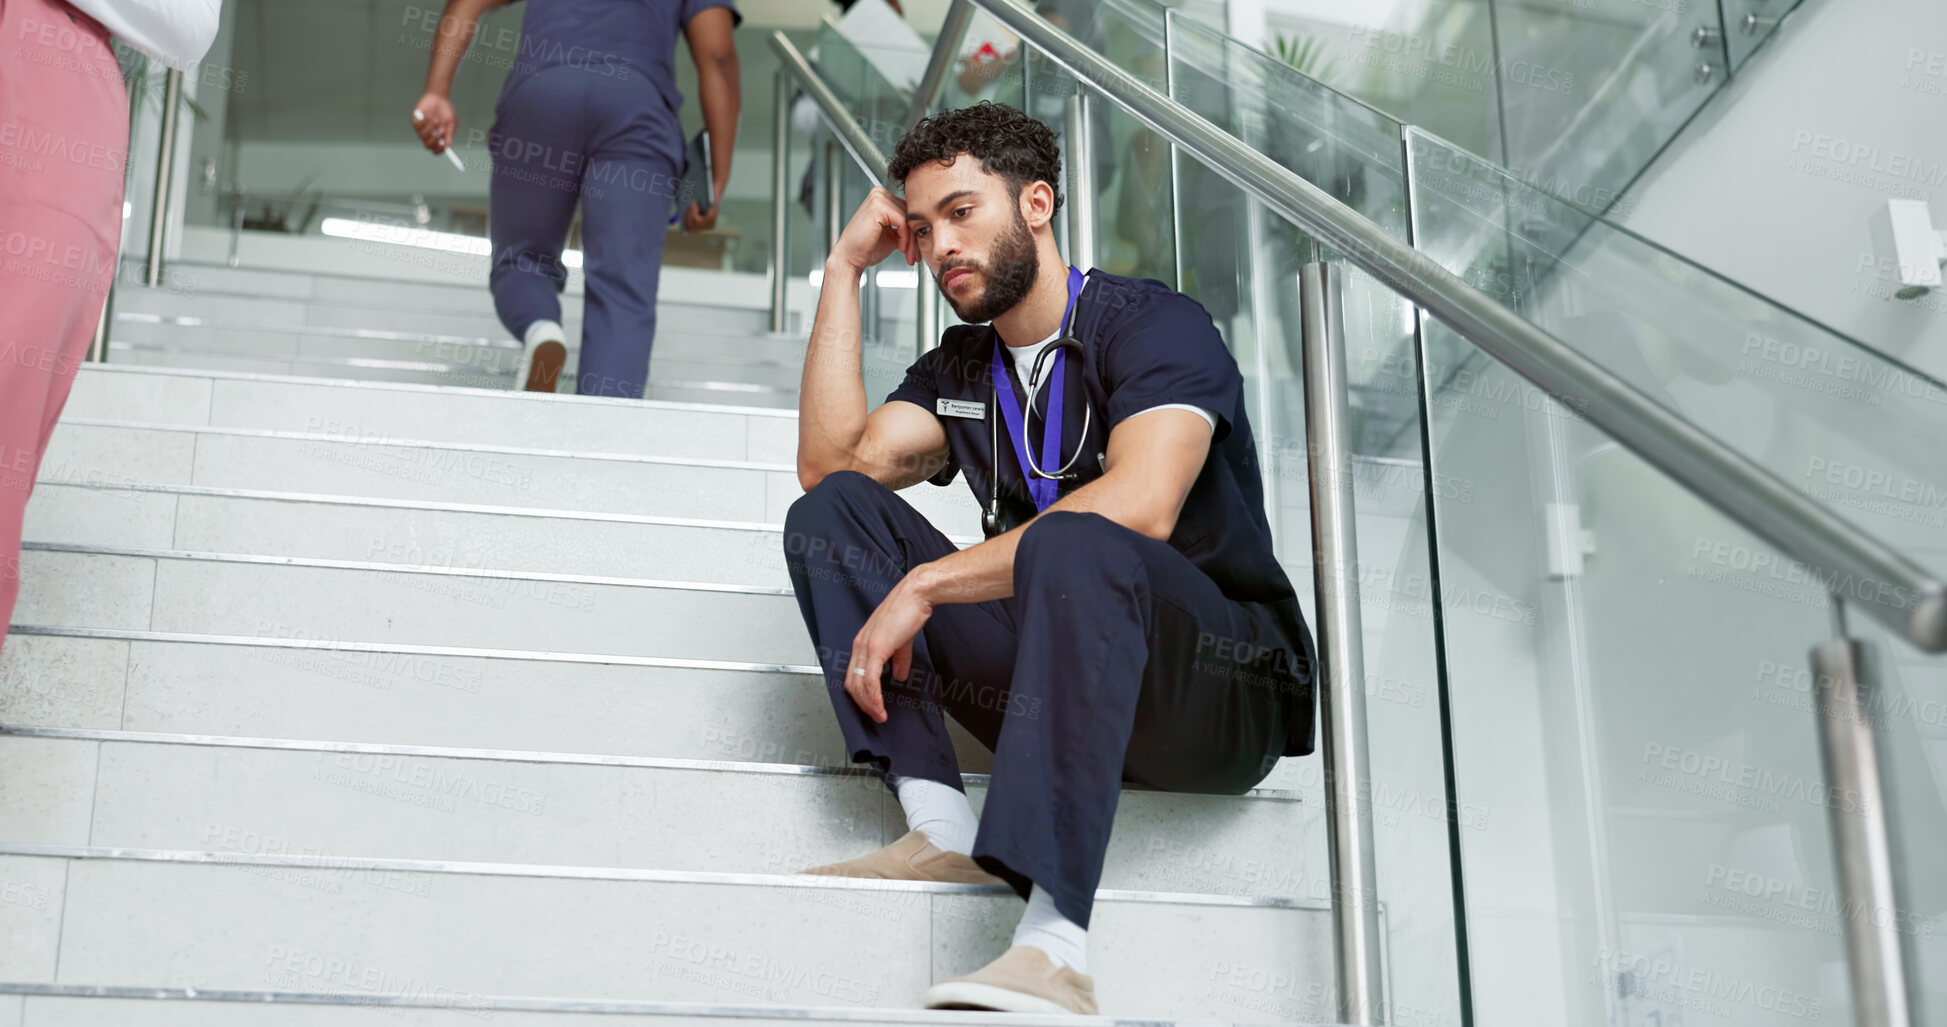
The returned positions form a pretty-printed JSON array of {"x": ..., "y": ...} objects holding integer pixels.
[{"x": 990, "y": 518}]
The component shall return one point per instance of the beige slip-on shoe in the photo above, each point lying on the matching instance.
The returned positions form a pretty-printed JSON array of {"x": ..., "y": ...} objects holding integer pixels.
[
  {"x": 1022, "y": 980},
  {"x": 911, "y": 858}
]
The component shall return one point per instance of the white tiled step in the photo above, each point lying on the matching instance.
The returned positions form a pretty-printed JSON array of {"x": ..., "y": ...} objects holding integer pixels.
[
  {"x": 426, "y": 334},
  {"x": 414, "y": 803},
  {"x": 173, "y": 396},
  {"x": 729, "y": 431},
  {"x": 344, "y": 460},
  {"x": 348, "y": 462},
  {"x": 194, "y": 358},
  {"x": 776, "y": 363},
  {"x": 370, "y": 999},
  {"x": 194, "y": 281},
  {"x": 280, "y": 599},
  {"x": 411, "y": 695},
  {"x": 783, "y": 939},
  {"x": 160, "y": 517}
]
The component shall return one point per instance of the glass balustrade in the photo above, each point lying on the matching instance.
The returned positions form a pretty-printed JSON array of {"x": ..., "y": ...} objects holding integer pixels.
[
  {"x": 1632, "y": 822},
  {"x": 1830, "y": 416},
  {"x": 1243, "y": 263}
]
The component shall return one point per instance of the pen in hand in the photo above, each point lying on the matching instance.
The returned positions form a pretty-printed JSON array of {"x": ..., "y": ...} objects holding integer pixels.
[{"x": 418, "y": 115}]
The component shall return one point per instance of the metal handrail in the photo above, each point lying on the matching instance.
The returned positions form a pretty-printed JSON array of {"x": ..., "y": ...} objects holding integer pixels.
[
  {"x": 1897, "y": 591},
  {"x": 952, "y": 31}
]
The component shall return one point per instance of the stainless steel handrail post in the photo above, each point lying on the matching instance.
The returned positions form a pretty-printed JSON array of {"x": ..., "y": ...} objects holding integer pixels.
[
  {"x": 1081, "y": 181},
  {"x": 1861, "y": 829},
  {"x": 1270, "y": 420},
  {"x": 926, "y": 311},
  {"x": 834, "y": 194},
  {"x": 780, "y": 201},
  {"x": 236, "y": 227},
  {"x": 172, "y": 92},
  {"x": 1341, "y": 675},
  {"x": 945, "y": 49},
  {"x": 1176, "y": 163}
]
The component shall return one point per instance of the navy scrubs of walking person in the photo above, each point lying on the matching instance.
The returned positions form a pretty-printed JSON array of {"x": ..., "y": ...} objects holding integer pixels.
[
  {"x": 1126, "y": 620},
  {"x": 588, "y": 115}
]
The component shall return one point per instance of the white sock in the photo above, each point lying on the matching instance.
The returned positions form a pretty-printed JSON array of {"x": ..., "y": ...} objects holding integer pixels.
[
  {"x": 940, "y": 811},
  {"x": 544, "y": 329},
  {"x": 1043, "y": 926}
]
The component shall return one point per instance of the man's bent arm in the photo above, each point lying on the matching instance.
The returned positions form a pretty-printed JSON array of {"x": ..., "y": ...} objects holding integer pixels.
[
  {"x": 831, "y": 394},
  {"x": 1153, "y": 459},
  {"x": 899, "y": 444}
]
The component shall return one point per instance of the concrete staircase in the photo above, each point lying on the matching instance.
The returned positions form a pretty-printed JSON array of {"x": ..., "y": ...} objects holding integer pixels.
[
  {"x": 439, "y": 333},
  {"x": 386, "y": 702}
]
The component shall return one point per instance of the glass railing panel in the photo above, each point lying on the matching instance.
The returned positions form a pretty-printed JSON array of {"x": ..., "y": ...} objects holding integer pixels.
[
  {"x": 853, "y": 73},
  {"x": 143, "y": 79},
  {"x": 1344, "y": 147},
  {"x": 1643, "y": 807},
  {"x": 1135, "y": 201},
  {"x": 1340, "y": 145},
  {"x": 1748, "y": 23},
  {"x": 146, "y": 83},
  {"x": 1243, "y": 263},
  {"x": 1412, "y": 823},
  {"x": 1426, "y": 63},
  {"x": 888, "y": 296},
  {"x": 1833, "y": 418},
  {"x": 891, "y": 292},
  {"x": 1592, "y": 89},
  {"x": 887, "y": 339},
  {"x": 805, "y": 187},
  {"x": 989, "y": 66}
]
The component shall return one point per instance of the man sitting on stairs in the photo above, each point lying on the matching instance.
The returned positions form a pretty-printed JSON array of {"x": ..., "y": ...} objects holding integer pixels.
[{"x": 1124, "y": 621}]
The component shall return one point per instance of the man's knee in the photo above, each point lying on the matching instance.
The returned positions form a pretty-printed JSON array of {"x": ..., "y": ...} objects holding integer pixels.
[
  {"x": 1065, "y": 539},
  {"x": 837, "y": 491}
]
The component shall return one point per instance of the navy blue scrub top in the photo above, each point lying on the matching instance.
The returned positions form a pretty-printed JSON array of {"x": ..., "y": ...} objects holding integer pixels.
[
  {"x": 1146, "y": 345},
  {"x": 624, "y": 40}
]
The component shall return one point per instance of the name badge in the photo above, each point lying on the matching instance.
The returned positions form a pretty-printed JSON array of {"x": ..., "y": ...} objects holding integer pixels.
[{"x": 960, "y": 408}]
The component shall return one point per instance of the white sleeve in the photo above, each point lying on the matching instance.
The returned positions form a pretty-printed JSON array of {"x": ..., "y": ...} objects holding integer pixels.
[
  {"x": 1205, "y": 414},
  {"x": 176, "y": 32}
]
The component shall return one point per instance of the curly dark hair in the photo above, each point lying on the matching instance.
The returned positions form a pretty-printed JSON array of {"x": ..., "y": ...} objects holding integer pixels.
[{"x": 1007, "y": 143}]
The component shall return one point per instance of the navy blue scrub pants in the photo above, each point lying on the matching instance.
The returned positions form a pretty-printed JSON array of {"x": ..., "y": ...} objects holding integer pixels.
[
  {"x": 565, "y": 135},
  {"x": 1111, "y": 662}
]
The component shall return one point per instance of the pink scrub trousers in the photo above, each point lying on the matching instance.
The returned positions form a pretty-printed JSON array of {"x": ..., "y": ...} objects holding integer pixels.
[{"x": 63, "y": 147}]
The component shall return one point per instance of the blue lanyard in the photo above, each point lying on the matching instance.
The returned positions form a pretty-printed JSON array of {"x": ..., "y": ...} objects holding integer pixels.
[{"x": 1043, "y": 490}]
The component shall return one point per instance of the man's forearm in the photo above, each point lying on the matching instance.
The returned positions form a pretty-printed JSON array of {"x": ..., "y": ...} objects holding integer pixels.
[
  {"x": 455, "y": 33},
  {"x": 831, "y": 398},
  {"x": 721, "y": 98},
  {"x": 986, "y": 571}
]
